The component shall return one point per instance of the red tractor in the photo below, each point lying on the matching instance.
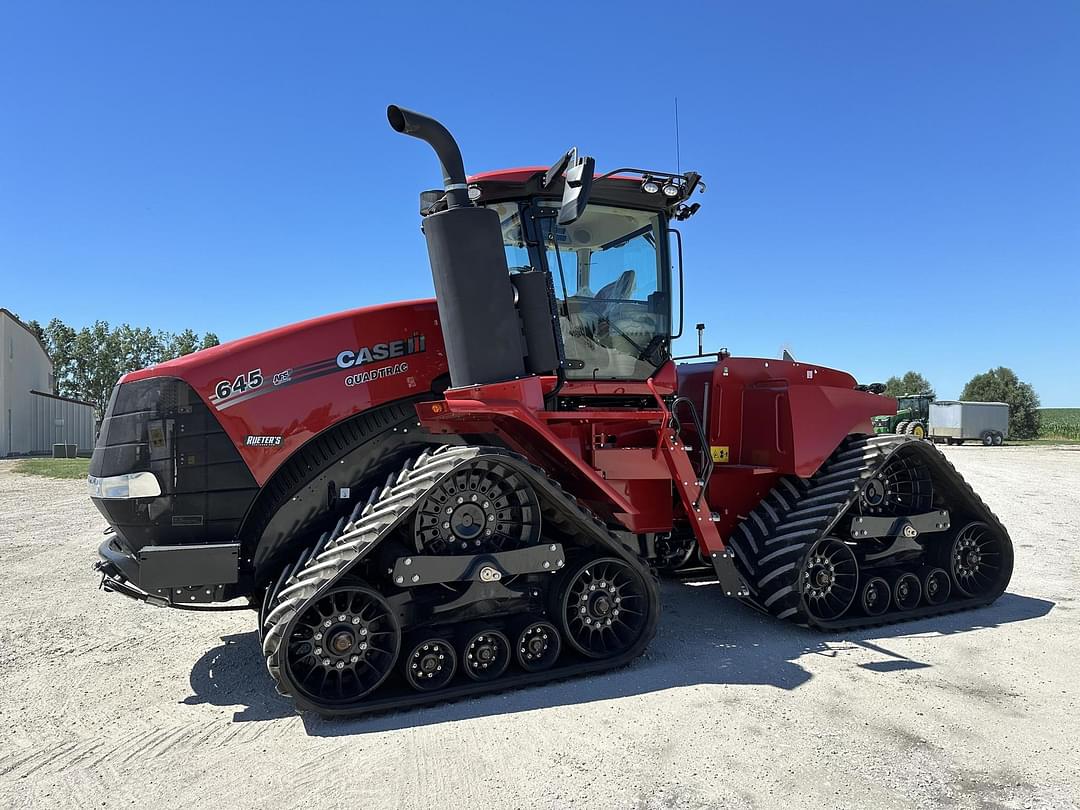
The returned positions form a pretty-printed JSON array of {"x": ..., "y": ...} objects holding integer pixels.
[{"x": 439, "y": 498}]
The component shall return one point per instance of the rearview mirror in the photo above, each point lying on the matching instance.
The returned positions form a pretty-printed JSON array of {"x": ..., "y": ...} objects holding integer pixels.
[
  {"x": 575, "y": 194},
  {"x": 578, "y": 176}
]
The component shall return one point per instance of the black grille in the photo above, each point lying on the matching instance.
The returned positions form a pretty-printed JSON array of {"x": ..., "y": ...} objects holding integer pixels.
[{"x": 162, "y": 426}]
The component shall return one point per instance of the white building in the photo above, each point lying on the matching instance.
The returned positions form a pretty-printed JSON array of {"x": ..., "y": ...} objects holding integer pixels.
[{"x": 32, "y": 417}]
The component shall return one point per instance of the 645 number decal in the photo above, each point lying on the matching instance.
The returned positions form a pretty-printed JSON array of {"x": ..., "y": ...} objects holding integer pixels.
[{"x": 244, "y": 382}]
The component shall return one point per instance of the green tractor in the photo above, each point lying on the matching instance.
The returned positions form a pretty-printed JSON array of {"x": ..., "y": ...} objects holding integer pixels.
[{"x": 912, "y": 416}]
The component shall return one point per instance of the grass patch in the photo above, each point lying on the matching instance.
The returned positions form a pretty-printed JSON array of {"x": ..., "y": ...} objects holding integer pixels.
[{"x": 54, "y": 467}]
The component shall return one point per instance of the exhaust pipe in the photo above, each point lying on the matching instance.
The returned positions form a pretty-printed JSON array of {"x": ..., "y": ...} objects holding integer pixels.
[
  {"x": 479, "y": 321},
  {"x": 438, "y": 137}
]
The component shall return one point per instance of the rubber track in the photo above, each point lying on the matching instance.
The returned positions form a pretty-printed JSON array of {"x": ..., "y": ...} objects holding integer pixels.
[
  {"x": 385, "y": 510},
  {"x": 772, "y": 543}
]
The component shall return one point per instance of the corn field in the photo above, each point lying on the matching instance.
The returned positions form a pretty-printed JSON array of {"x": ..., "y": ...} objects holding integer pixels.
[{"x": 1059, "y": 423}]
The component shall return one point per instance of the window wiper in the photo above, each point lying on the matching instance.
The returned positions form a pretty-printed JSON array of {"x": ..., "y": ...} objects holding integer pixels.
[{"x": 622, "y": 240}]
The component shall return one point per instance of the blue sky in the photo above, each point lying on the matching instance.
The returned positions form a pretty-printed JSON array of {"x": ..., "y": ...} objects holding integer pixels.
[{"x": 890, "y": 185}]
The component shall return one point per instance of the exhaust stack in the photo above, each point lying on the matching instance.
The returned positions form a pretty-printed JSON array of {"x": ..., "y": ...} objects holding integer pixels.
[
  {"x": 438, "y": 138},
  {"x": 468, "y": 266}
]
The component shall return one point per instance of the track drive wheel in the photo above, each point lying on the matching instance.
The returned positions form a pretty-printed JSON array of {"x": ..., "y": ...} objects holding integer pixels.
[
  {"x": 603, "y": 608},
  {"x": 485, "y": 508},
  {"x": 903, "y": 486},
  {"x": 343, "y": 646}
]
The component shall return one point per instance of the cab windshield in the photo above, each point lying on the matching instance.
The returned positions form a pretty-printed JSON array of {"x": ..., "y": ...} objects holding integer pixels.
[{"x": 608, "y": 271}]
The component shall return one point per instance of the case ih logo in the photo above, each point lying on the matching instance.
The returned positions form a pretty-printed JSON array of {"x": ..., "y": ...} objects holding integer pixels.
[
  {"x": 350, "y": 358},
  {"x": 262, "y": 441}
]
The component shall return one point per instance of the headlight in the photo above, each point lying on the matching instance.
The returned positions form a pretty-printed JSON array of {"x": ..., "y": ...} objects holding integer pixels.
[{"x": 131, "y": 485}]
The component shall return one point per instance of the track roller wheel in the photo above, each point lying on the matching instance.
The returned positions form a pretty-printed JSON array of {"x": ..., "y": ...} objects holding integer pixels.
[
  {"x": 829, "y": 580},
  {"x": 979, "y": 560},
  {"x": 876, "y": 595},
  {"x": 907, "y": 591},
  {"x": 430, "y": 665},
  {"x": 936, "y": 586},
  {"x": 538, "y": 646},
  {"x": 603, "y": 608},
  {"x": 486, "y": 655},
  {"x": 343, "y": 646}
]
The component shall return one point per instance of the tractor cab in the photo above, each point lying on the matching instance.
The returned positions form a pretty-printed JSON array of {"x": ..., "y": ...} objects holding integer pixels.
[{"x": 610, "y": 263}]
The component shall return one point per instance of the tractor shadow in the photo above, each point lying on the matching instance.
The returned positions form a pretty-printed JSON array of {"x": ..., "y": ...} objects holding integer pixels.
[{"x": 704, "y": 638}]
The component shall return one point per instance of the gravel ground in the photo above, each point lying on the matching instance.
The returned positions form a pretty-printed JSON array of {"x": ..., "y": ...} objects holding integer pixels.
[{"x": 104, "y": 702}]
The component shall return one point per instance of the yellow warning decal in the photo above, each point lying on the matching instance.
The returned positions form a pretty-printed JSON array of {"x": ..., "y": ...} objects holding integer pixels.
[{"x": 721, "y": 455}]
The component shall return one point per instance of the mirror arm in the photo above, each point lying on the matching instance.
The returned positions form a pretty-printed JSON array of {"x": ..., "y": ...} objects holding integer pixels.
[{"x": 560, "y": 166}]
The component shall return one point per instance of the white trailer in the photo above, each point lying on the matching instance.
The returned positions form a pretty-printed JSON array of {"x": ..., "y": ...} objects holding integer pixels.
[{"x": 955, "y": 422}]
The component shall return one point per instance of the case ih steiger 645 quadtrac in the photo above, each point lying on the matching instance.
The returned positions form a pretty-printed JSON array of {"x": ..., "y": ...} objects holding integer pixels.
[{"x": 432, "y": 499}]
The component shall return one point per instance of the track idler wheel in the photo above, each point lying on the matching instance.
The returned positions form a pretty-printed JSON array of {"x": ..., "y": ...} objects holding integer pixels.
[
  {"x": 980, "y": 560},
  {"x": 604, "y": 608},
  {"x": 830, "y": 579},
  {"x": 936, "y": 586},
  {"x": 538, "y": 646},
  {"x": 876, "y": 596},
  {"x": 486, "y": 655},
  {"x": 343, "y": 646},
  {"x": 430, "y": 665},
  {"x": 907, "y": 591}
]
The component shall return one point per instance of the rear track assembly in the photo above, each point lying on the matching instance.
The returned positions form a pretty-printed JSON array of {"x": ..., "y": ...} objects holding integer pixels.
[{"x": 886, "y": 530}]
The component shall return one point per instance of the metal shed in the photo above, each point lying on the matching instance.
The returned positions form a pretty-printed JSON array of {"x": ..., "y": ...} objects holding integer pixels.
[{"x": 60, "y": 420}]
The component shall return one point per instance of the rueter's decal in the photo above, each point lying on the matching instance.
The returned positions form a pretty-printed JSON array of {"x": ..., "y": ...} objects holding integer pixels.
[{"x": 262, "y": 441}]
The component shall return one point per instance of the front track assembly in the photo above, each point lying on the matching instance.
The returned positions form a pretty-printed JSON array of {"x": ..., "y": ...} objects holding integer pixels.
[
  {"x": 885, "y": 531},
  {"x": 469, "y": 572}
]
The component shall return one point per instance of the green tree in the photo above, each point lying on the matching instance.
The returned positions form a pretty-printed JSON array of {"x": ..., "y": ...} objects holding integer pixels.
[
  {"x": 178, "y": 345},
  {"x": 1002, "y": 385},
  {"x": 911, "y": 383},
  {"x": 88, "y": 362}
]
